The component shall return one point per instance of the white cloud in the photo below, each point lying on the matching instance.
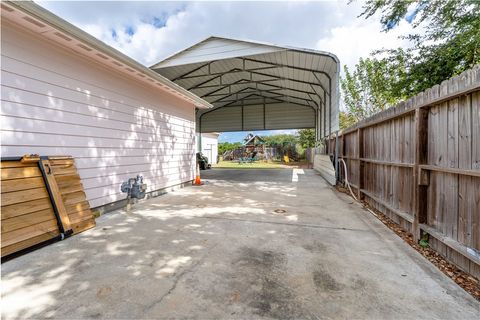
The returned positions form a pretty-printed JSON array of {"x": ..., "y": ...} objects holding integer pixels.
[
  {"x": 360, "y": 38},
  {"x": 150, "y": 31},
  {"x": 162, "y": 28}
]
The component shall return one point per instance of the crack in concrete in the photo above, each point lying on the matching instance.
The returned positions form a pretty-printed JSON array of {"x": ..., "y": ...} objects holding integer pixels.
[
  {"x": 301, "y": 225},
  {"x": 178, "y": 278}
]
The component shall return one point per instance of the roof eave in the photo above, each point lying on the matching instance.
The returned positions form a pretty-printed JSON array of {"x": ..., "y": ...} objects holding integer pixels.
[{"x": 38, "y": 12}]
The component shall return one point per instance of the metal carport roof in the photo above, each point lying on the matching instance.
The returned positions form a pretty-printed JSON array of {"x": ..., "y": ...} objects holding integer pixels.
[{"x": 258, "y": 86}]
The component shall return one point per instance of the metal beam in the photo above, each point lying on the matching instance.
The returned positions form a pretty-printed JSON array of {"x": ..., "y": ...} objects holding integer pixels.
[
  {"x": 244, "y": 81},
  {"x": 252, "y": 94},
  {"x": 218, "y": 73},
  {"x": 254, "y": 90},
  {"x": 265, "y": 91},
  {"x": 221, "y": 88},
  {"x": 276, "y": 78},
  {"x": 192, "y": 71},
  {"x": 282, "y": 65},
  {"x": 279, "y": 65},
  {"x": 324, "y": 115},
  {"x": 277, "y": 100},
  {"x": 203, "y": 82},
  {"x": 228, "y": 95},
  {"x": 287, "y": 79},
  {"x": 255, "y": 93},
  {"x": 230, "y": 102},
  {"x": 285, "y": 88}
]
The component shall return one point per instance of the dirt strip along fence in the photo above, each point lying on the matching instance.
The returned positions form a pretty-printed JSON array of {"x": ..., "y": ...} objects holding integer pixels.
[{"x": 419, "y": 164}]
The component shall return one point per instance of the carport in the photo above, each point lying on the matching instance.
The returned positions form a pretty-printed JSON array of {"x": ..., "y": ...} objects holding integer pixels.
[{"x": 258, "y": 86}]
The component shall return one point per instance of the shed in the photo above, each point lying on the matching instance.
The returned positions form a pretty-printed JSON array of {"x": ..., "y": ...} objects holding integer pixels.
[{"x": 210, "y": 146}]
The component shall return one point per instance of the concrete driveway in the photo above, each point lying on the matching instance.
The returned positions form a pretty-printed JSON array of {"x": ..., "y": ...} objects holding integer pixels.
[{"x": 248, "y": 244}]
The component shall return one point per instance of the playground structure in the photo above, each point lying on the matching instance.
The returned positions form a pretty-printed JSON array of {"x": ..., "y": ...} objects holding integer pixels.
[{"x": 254, "y": 149}]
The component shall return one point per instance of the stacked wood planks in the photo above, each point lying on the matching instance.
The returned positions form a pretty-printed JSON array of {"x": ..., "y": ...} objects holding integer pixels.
[
  {"x": 40, "y": 199},
  {"x": 27, "y": 213},
  {"x": 73, "y": 196}
]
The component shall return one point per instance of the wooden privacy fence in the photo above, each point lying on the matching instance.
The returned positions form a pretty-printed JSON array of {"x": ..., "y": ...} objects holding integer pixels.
[
  {"x": 42, "y": 198},
  {"x": 419, "y": 163}
]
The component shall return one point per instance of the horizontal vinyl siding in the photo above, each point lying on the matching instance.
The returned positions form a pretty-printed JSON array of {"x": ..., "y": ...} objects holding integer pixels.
[{"x": 57, "y": 103}]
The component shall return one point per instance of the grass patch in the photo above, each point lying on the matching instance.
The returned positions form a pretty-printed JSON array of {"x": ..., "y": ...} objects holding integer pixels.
[{"x": 252, "y": 165}]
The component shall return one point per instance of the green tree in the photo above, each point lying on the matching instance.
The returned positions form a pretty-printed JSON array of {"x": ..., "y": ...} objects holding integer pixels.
[
  {"x": 449, "y": 44},
  {"x": 227, "y": 146},
  {"x": 369, "y": 88},
  {"x": 346, "y": 119},
  {"x": 280, "y": 140},
  {"x": 306, "y": 138}
]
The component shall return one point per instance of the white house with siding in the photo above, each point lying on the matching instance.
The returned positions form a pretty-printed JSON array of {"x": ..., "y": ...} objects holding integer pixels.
[{"x": 66, "y": 93}]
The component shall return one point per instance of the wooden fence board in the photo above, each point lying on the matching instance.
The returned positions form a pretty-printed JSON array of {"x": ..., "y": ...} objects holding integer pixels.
[
  {"x": 476, "y": 131},
  {"x": 419, "y": 163}
]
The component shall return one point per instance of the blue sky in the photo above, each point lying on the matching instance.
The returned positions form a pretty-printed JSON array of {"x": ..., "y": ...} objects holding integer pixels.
[{"x": 150, "y": 31}]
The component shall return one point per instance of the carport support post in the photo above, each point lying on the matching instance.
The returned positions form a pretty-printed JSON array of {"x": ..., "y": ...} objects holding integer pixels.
[
  {"x": 199, "y": 132},
  {"x": 336, "y": 157}
]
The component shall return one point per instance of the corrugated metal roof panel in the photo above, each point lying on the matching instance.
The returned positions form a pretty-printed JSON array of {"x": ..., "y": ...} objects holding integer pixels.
[
  {"x": 228, "y": 72},
  {"x": 253, "y": 117},
  {"x": 288, "y": 116},
  {"x": 222, "y": 120},
  {"x": 215, "y": 49}
]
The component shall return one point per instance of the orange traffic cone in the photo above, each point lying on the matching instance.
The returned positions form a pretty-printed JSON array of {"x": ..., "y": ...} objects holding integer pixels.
[{"x": 198, "y": 182}]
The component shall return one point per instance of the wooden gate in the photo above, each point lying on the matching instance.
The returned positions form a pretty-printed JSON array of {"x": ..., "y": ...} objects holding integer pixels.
[{"x": 42, "y": 199}]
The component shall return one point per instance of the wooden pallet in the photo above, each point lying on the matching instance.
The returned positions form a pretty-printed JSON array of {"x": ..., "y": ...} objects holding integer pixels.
[{"x": 41, "y": 198}]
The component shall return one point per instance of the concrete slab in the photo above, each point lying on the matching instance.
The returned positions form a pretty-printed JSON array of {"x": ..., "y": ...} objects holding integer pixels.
[{"x": 248, "y": 244}]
